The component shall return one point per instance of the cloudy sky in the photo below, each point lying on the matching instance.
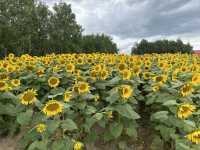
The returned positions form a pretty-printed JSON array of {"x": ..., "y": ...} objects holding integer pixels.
[{"x": 129, "y": 21}]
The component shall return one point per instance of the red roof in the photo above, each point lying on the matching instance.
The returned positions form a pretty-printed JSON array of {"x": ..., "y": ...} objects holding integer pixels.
[{"x": 197, "y": 52}]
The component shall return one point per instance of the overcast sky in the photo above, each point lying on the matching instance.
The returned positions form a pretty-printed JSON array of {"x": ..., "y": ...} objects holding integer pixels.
[{"x": 129, "y": 21}]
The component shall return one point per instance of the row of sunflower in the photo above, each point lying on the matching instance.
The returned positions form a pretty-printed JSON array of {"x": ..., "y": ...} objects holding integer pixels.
[{"x": 67, "y": 101}]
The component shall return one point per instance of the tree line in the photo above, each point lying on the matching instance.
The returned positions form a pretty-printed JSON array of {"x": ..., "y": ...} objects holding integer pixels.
[
  {"x": 29, "y": 26},
  {"x": 161, "y": 46}
]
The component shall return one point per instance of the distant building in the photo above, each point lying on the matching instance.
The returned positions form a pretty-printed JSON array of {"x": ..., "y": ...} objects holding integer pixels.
[{"x": 197, "y": 52}]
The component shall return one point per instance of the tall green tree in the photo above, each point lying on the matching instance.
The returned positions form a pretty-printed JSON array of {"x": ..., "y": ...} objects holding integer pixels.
[
  {"x": 98, "y": 43},
  {"x": 65, "y": 33},
  {"x": 161, "y": 46}
]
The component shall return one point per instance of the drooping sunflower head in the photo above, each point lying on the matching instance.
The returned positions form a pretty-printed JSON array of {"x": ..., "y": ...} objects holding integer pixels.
[
  {"x": 174, "y": 76},
  {"x": 52, "y": 108},
  {"x": 160, "y": 79},
  {"x": 137, "y": 70},
  {"x": 194, "y": 137},
  {"x": 41, "y": 128},
  {"x": 126, "y": 74},
  {"x": 155, "y": 87},
  {"x": 40, "y": 72},
  {"x": 187, "y": 89},
  {"x": 3, "y": 85},
  {"x": 185, "y": 110},
  {"x": 67, "y": 96},
  {"x": 93, "y": 74},
  {"x": 53, "y": 82},
  {"x": 28, "y": 97},
  {"x": 15, "y": 82},
  {"x": 78, "y": 145},
  {"x": 83, "y": 87},
  {"x": 109, "y": 114},
  {"x": 126, "y": 91},
  {"x": 196, "y": 79}
]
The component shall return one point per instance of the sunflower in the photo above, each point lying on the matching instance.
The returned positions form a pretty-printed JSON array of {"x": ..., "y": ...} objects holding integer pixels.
[
  {"x": 174, "y": 76},
  {"x": 155, "y": 87},
  {"x": 3, "y": 85},
  {"x": 16, "y": 82},
  {"x": 53, "y": 82},
  {"x": 185, "y": 110},
  {"x": 78, "y": 145},
  {"x": 186, "y": 89},
  {"x": 96, "y": 98},
  {"x": 196, "y": 79},
  {"x": 40, "y": 72},
  {"x": 194, "y": 137},
  {"x": 70, "y": 68},
  {"x": 126, "y": 74},
  {"x": 10, "y": 68},
  {"x": 97, "y": 67},
  {"x": 93, "y": 74},
  {"x": 52, "y": 108},
  {"x": 104, "y": 74},
  {"x": 126, "y": 91},
  {"x": 122, "y": 66},
  {"x": 67, "y": 96},
  {"x": 28, "y": 97},
  {"x": 137, "y": 70},
  {"x": 109, "y": 114},
  {"x": 160, "y": 79},
  {"x": 147, "y": 75},
  {"x": 83, "y": 87},
  {"x": 41, "y": 128},
  {"x": 80, "y": 60},
  {"x": 4, "y": 76},
  {"x": 11, "y": 56}
]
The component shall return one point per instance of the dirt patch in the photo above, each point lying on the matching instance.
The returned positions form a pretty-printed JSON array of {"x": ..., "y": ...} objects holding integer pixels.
[{"x": 8, "y": 144}]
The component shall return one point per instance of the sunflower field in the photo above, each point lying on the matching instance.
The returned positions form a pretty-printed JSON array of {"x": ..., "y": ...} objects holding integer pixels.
[{"x": 90, "y": 101}]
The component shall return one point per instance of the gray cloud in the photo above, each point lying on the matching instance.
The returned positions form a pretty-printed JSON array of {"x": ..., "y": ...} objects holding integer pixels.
[{"x": 128, "y": 20}]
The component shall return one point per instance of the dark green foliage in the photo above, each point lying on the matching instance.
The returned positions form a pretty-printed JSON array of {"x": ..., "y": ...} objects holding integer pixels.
[
  {"x": 98, "y": 43},
  {"x": 29, "y": 26},
  {"x": 161, "y": 46}
]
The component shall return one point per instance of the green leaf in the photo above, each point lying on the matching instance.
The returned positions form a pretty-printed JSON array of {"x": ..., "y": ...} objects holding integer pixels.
[
  {"x": 157, "y": 144},
  {"x": 69, "y": 124},
  {"x": 114, "y": 81},
  {"x": 116, "y": 129},
  {"x": 161, "y": 115},
  {"x": 131, "y": 131},
  {"x": 58, "y": 145},
  {"x": 39, "y": 145},
  {"x": 98, "y": 116},
  {"x": 8, "y": 95},
  {"x": 25, "y": 117},
  {"x": 52, "y": 126},
  {"x": 8, "y": 109},
  {"x": 127, "y": 111},
  {"x": 113, "y": 96},
  {"x": 122, "y": 145},
  {"x": 170, "y": 103},
  {"x": 101, "y": 85},
  {"x": 90, "y": 110},
  {"x": 89, "y": 123},
  {"x": 182, "y": 146}
]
